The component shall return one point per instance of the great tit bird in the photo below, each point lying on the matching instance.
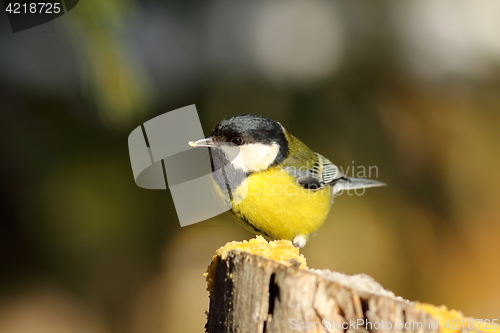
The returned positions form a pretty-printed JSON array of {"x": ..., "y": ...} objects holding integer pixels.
[{"x": 276, "y": 186}]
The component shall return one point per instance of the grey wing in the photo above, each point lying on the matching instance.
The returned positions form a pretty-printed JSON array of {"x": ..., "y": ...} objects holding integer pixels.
[
  {"x": 324, "y": 173},
  {"x": 321, "y": 174},
  {"x": 340, "y": 182},
  {"x": 329, "y": 171}
]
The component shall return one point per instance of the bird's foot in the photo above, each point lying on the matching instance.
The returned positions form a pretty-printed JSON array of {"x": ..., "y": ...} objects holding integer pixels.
[{"x": 300, "y": 241}]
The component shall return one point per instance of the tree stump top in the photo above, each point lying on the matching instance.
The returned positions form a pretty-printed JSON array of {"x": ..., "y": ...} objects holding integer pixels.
[{"x": 257, "y": 286}]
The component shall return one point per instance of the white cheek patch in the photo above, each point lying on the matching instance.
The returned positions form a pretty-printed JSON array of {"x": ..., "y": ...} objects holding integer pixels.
[{"x": 252, "y": 157}]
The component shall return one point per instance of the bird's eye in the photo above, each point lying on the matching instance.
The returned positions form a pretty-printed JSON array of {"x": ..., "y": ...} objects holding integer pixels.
[{"x": 237, "y": 141}]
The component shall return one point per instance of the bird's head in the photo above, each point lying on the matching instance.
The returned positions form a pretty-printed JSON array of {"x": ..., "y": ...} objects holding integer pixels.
[{"x": 251, "y": 143}]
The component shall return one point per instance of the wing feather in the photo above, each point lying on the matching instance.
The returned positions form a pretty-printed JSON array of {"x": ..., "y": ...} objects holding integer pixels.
[{"x": 322, "y": 173}]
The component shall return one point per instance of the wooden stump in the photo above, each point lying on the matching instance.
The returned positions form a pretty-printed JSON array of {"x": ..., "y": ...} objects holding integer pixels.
[{"x": 251, "y": 293}]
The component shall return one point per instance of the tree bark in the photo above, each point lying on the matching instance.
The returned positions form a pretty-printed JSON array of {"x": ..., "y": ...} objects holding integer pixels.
[{"x": 251, "y": 293}]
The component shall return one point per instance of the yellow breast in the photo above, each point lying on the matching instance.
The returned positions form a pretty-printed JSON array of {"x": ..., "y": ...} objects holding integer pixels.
[{"x": 271, "y": 202}]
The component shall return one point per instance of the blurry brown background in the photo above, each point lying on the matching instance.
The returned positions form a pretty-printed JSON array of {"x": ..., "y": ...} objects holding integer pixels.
[{"x": 410, "y": 87}]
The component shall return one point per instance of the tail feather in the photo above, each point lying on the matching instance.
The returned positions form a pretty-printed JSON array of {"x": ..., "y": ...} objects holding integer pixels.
[{"x": 350, "y": 183}]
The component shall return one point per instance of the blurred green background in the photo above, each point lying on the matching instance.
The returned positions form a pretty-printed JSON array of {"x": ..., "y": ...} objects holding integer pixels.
[{"x": 411, "y": 87}]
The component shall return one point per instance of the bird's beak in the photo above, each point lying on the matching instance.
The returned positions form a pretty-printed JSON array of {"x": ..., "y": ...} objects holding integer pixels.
[{"x": 203, "y": 143}]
